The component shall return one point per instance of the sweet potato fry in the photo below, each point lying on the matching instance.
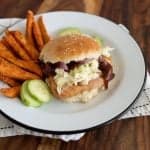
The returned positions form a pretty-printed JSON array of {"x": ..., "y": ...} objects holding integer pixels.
[
  {"x": 10, "y": 70},
  {"x": 16, "y": 46},
  {"x": 37, "y": 35},
  {"x": 27, "y": 65},
  {"x": 32, "y": 52},
  {"x": 29, "y": 27},
  {"x": 5, "y": 51},
  {"x": 9, "y": 81},
  {"x": 43, "y": 30},
  {"x": 5, "y": 43},
  {"x": 11, "y": 92}
]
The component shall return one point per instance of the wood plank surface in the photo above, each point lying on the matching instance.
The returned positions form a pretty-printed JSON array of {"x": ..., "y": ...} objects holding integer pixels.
[{"x": 128, "y": 134}]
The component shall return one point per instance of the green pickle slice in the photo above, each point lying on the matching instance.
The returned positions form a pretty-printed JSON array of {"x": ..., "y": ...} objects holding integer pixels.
[
  {"x": 39, "y": 90},
  {"x": 26, "y": 98},
  {"x": 69, "y": 31}
]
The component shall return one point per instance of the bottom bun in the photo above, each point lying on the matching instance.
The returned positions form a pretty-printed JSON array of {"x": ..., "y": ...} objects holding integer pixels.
[
  {"x": 84, "y": 97},
  {"x": 76, "y": 93}
]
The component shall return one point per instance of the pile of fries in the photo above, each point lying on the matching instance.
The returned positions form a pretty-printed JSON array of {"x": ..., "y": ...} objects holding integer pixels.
[{"x": 19, "y": 55}]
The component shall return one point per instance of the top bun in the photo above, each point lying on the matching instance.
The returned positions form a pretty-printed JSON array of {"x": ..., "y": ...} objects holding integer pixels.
[{"x": 68, "y": 48}]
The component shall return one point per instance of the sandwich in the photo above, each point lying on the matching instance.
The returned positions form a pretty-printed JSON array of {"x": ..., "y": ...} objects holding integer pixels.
[{"x": 76, "y": 67}]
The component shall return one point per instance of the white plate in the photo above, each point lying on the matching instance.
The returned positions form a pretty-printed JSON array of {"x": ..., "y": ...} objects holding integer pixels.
[{"x": 59, "y": 117}]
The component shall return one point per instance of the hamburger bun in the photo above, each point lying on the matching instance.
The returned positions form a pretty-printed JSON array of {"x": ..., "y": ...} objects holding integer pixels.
[{"x": 68, "y": 48}]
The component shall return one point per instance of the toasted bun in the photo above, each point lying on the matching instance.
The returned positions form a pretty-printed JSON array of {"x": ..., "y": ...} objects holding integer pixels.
[
  {"x": 84, "y": 97},
  {"x": 72, "y": 93},
  {"x": 70, "y": 48}
]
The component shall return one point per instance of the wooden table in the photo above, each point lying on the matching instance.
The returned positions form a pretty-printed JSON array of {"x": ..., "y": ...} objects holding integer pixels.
[{"x": 129, "y": 134}]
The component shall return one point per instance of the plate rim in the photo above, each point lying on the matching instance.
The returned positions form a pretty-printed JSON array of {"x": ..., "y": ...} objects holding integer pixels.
[{"x": 85, "y": 129}]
